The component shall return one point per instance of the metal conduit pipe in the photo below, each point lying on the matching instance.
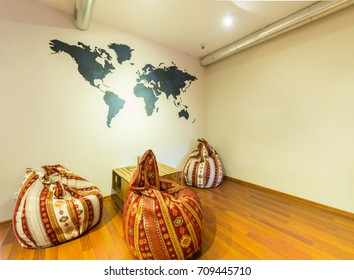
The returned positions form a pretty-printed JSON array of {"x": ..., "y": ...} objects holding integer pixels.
[
  {"x": 300, "y": 18},
  {"x": 83, "y": 10}
]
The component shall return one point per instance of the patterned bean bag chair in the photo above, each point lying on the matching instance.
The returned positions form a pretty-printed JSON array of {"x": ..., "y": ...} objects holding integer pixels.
[
  {"x": 54, "y": 205},
  {"x": 203, "y": 167},
  {"x": 162, "y": 220}
]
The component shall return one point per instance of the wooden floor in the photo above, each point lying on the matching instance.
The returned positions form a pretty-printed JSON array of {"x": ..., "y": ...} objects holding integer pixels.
[{"x": 241, "y": 223}]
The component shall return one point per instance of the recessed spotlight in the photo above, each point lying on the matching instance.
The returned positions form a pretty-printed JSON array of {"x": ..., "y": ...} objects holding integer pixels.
[{"x": 228, "y": 20}]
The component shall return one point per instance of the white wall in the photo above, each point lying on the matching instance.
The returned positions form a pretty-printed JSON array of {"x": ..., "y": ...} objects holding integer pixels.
[
  {"x": 49, "y": 114},
  {"x": 281, "y": 114}
]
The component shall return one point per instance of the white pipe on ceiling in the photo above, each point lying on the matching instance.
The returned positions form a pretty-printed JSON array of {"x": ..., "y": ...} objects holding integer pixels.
[
  {"x": 83, "y": 10},
  {"x": 314, "y": 12}
]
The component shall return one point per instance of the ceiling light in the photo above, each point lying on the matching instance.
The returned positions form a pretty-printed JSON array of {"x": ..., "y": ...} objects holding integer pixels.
[{"x": 228, "y": 20}]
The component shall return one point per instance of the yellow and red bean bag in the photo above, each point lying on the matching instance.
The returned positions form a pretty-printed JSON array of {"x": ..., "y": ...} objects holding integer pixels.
[
  {"x": 54, "y": 205},
  {"x": 162, "y": 220},
  {"x": 203, "y": 168}
]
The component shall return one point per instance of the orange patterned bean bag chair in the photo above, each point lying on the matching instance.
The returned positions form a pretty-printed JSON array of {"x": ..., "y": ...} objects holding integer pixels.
[
  {"x": 162, "y": 220},
  {"x": 203, "y": 167},
  {"x": 54, "y": 205}
]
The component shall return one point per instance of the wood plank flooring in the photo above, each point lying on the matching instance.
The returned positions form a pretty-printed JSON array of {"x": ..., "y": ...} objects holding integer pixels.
[{"x": 241, "y": 223}]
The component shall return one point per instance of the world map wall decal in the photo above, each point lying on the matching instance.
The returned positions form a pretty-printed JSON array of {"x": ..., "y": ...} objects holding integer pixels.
[{"x": 95, "y": 64}]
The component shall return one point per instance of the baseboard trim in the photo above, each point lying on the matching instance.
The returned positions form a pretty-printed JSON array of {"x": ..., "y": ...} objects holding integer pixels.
[
  {"x": 303, "y": 200},
  {"x": 245, "y": 183},
  {"x": 5, "y": 223}
]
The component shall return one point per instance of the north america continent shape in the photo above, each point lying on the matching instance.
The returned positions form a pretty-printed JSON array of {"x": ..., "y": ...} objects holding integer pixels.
[{"x": 94, "y": 65}]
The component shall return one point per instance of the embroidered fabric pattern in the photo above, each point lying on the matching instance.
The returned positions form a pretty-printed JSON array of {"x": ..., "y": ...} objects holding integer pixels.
[
  {"x": 203, "y": 168},
  {"x": 54, "y": 205},
  {"x": 162, "y": 220}
]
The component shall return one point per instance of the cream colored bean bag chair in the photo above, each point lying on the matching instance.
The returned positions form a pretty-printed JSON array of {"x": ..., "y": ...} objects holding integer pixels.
[
  {"x": 54, "y": 206},
  {"x": 203, "y": 168}
]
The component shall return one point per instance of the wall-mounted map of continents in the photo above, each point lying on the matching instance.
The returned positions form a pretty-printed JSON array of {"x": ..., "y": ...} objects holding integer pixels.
[{"x": 95, "y": 64}]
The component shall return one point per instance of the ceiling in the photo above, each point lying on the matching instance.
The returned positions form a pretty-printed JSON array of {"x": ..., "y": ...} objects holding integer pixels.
[{"x": 191, "y": 26}]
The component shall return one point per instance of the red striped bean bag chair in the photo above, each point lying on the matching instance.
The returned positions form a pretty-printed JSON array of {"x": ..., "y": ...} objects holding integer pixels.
[
  {"x": 54, "y": 205},
  {"x": 203, "y": 167},
  {"x": 162, "y": 220}
]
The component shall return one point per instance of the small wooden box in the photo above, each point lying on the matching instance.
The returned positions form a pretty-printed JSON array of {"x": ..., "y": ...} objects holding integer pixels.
[{"x": 121, "y": 178}]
